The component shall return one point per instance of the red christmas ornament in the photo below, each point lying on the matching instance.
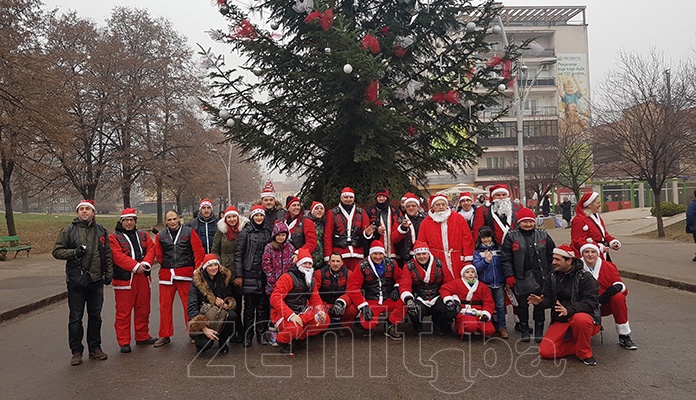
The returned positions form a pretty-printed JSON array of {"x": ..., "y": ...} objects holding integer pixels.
[
  {"x": 245, "y": 30},
  {"x": 372, "y": 93},
  {"x": 384, "y": 31},
  {"x": 325, "y": 18},
  {"x": 411, "y": 130},
  {"x": 451, "y": 97},
  {"x": 371, "y": 43},
  {"x": 399, "y": 52}
]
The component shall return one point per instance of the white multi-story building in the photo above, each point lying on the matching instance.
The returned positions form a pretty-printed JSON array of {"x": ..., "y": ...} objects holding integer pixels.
[{"x": 554, "y": 72}]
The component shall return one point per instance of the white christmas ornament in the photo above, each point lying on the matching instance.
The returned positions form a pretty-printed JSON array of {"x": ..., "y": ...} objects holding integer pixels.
[
  {"x": 257, "y": 71},
  {"x": 303, "y": 6},
  {"x": 502, "y": 87},
  {"x": 496, "y": 29},
  {"x": 327, "y": 50},
  {"x": 229, "y": 122},
  {"x": 470, "y": 27},
  {"x": 348, "y": 69},
  {"x": 275, "y": 26},
  {"x": 224, "y": 114}
]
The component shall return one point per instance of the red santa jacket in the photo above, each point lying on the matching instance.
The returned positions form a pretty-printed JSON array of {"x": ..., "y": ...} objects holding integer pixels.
[
  {"x": 458, "y": 243},
  {"x": 607, "y": 274},
  {"x": 481, "y": 300},
  {"x": 124, "y": 255},
  {"x": 332, "y": 286},
  {"x": 303, "y": 233},
  {"x": 284, "y": 287},
  {"x": 336, "y": 236},
  {"x": 413, "y": 280},
  {"x": 584, "y": 228},
  {"x": 364, "y": 283},
  {"x": 483, "y": 217}
]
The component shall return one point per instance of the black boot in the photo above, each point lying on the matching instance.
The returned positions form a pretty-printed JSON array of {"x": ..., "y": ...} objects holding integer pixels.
[
  {"x": 524, "y": 329},
  {"x": 286, "y": 348},
  {"x": 538, "y": 331}
]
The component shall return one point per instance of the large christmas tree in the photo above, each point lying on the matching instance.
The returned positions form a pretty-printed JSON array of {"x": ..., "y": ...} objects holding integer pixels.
[{"x": 356, "y": 93}]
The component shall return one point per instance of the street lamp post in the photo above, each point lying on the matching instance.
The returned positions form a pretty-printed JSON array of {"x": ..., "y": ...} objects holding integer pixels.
[
  {"x": 519, "y": 104},
  {"x": 228, "y": 170}
]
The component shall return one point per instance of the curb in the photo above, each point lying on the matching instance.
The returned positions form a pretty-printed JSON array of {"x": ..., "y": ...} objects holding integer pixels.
[
  {"x": 33, "y": 306},
  {"x": 670, "y": 283}
]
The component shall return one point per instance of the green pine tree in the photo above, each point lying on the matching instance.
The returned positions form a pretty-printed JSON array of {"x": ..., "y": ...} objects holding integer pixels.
[{"x": 356, "y": 93}]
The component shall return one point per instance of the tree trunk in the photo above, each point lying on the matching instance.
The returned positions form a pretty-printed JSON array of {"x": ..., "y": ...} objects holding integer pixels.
[
  {"x": 7, "y": 168},
  {"x": 657, "y": 195},
  {"x": 160, "y": 219},
  {"x": 126, "y": 192},
  {"x": 178, "y": 202}
]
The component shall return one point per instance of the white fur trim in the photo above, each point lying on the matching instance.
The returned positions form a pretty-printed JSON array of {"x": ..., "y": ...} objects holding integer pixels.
[
  {"x": 563, "y": 253},
  {"x": 123, "y": 216},
  {"x": 589, "y": 201},
  {"x": 623, "y": 286},
  {"x": 146, "y": 265},
  {"x": 421, "y": 250},
  {"x": 136, "y": 267},
  {"x": 437, "y": 198},
  {"x": 462, "y": 197},
  {"x": 613, "y": 242},
  {"x": 342, "y": 301},
  {"x": 403, "y": 232},
  {"x": 589, "y": 246},
  {"x": 468, "y": 266},
  {"x": 304, "y": 260},
  {"x": 377, "y": 249},
  {"x": 500, "y": 190},
  {"x": 315, "y": 206},
  {"x": 468, "y": 258},
  {"x": 205, "y": 203},
  {"x": 210, "y": 262},
  {"x": 411, "y": 200},
  {"x": 268, "y": 194},
  {"x": 84, "y": 203},
  {"x": 623, "y": 329},
  {"x": 346, "y": 193},
  {"x": 256, "y": 211},
  {"x": 487, "y": 314},
  {"x": 448, "y": 298},
  {"x": 231, "y": 212},
  {"x": 363, "y": 305},
  {"x": 406, "y": 295}
]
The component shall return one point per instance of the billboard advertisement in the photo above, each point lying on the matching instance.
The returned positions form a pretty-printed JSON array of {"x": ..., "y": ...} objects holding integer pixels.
[{"x": 573, "y": 80}]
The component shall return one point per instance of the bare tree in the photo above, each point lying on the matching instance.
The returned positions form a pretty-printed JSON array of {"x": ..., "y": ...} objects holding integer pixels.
[
  {"x": 645, "y": 120},
  {"x": 577, "y": 161}
]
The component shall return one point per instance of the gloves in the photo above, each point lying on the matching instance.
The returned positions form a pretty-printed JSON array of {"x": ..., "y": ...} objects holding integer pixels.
[
  {"x": 107, "y": 281},
  {"x": 80, "y": 251},
  {"x": 338, "y": 308},
  {"x": 394, "y": 293},
  {"x": 484, "y": 318},
  {"x": 510, "y": 280},
  {"x": 611, "y": 291},
  {"x": 367, "y": 313},
  {"x": 453, "y": 305},
  {"x": 412, "y": 307}
]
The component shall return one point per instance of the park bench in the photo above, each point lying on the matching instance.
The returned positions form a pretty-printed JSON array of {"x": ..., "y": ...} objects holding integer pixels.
[{"x": 11, "y": 243}]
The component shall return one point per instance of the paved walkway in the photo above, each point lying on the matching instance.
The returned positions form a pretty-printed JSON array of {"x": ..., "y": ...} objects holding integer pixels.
[{"x": 30, "y": 283}]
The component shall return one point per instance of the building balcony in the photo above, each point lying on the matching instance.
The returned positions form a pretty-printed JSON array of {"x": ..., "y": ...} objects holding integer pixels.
[
  {"x": 508, "y": 171},
  {"x": 511, "y": 141}
]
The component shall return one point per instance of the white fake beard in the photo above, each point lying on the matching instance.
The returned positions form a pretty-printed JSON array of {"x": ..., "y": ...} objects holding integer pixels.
[
  {"x": 441, "y": 216},
  {"x": 502, "y": 206},
  {"x": 308, "y": 274}
]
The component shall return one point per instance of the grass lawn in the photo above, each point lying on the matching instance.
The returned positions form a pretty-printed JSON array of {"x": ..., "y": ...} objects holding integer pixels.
[
  {"x": 41, "y": 230},
  {"x": 675, "y": 231}
]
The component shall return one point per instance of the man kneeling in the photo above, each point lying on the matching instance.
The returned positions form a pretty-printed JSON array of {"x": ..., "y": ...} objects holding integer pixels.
[
  {"x": 574, "y": 295},
  {"x": 296, "y": 308}
]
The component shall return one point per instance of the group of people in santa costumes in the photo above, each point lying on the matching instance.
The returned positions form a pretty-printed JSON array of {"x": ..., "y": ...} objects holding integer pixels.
[{"x": 423, "y": 269}]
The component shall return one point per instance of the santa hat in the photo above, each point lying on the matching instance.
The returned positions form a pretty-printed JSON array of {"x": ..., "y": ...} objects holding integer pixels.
[
  {"x": 377, "y": 247},
  {"x": 347, "y": 192},
  {"x": 304, "y": 256},
  {"x": 588, "y": 198},
  {"x": 314, "y": 205},
  {"x": 231, "y": 210},
  {"x": 525, "y": 214},
  {"x": 291, "y": 199},
  {"x": 383, "y": 192},
  {"x": 420, "y": 247},
  {"x": 588, "y": 246},
  {"x": 437, "y": 197},
  {"x": 205, "y": 202},
  {"x": 465, "y": 195},
  {"x": 410, "y": 198},
  {"x": 208, "y": 260},
  {"x": 257, "y": 209},
  {"x": 268, "y": 190},
  {"x": 88, "y": 203},
  {"x": 128, "y": 212},
  {"x": 565, "y": 250},
  {"x": 499, "y": 189},
  {"x": 467, "y": 266}
]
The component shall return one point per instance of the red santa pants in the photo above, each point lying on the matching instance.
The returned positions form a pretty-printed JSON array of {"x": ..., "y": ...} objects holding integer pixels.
[
  {"x": 136, "y": 301},
  {"x": 288, "y": 331},
  {"x": 352, "y": 262},
  {"x": 616, "y": 307},
  {"x": 558, "y": 342},
  {"x": 348, "y": 316},
  {"x": 166, "y": 301},
  {"x": 395, "y": 309},
  {"x": 471, "y": 324}
]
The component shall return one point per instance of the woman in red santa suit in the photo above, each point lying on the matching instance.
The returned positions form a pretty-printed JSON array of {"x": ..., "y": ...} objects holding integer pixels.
[
  {"x": 612, "y": 291},
  {"x": 472, "y": 302},
  {"x": 448, "y": 236},
  {"x": 588, "y": 227}
]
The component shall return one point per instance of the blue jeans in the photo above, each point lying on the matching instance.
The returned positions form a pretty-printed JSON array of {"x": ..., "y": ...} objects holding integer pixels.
[{"x": 498, "y": 294}]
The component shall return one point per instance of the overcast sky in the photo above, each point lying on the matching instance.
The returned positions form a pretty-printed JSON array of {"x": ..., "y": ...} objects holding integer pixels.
[{"x": 613, "y": 24}]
